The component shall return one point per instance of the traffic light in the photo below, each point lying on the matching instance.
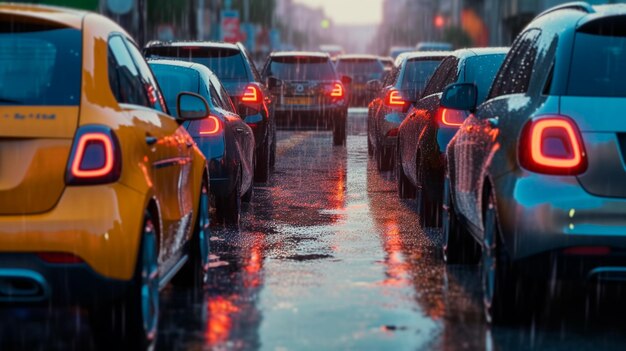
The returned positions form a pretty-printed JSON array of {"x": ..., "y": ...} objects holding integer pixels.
[{"x": 440, "y": 21}]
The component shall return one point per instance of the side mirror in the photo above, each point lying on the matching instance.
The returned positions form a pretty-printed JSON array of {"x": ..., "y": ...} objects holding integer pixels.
[
  {"x": 190, "y": 106},
  {"x": 273, "y": 82},
  {"x": 345, "y": 80},
  {"x": 460, "y": 96},
  {"x": 374, "y": 86}
]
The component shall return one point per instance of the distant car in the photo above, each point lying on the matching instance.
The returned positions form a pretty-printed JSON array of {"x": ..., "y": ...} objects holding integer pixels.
[
  {"x": 424, "y": 135},
  {"x": 224, "y": 138},
  {"x": 536, "y": 173},
  {"x": 332, "y": 49},
  {"x": 393, "y": 99},
  {"x": 394, "y": 51},
  {"x": 433, "y": 46},
  {"x": 361, "y": 69},
  {"x": 235, "y": 69},
  {"x": 308, "y": 92},
  {"x": 104, "y": 195},
  {"x": 387, "y": 62}
]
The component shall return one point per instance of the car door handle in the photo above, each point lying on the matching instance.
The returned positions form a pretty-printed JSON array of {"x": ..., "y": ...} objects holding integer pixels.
[
  {"x": 150, "y": 140},
  {"x": 493, "y": 122},
  {"x": 240, "y": 130}
]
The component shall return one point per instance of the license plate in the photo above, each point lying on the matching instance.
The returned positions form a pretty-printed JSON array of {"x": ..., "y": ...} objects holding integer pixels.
[{"x": 305, "y": 100}]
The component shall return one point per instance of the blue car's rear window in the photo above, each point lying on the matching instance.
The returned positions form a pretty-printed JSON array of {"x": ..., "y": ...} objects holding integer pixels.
[
  {"x": 39, "y": 64},
  {"x": 174, "y": 80}
]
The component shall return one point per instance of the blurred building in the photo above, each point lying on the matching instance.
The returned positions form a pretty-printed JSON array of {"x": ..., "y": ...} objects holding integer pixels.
[{"x": 302, "y": 27}]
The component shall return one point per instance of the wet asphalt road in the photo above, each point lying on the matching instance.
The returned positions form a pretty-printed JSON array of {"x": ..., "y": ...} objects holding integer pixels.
[{"x": 328, "y": 258}]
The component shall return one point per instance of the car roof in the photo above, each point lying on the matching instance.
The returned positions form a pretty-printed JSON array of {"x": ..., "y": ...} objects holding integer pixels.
[
  {"x": 464, "y": 53},
  {"x": 358, "y": 56},
  {"x": 184, "y": 43},
  {"x": 424, "y": 54},
  {"x": 299, "y": 53},
  {"x": 66, "y": 16},
  {"x": 183, "y": 64}
]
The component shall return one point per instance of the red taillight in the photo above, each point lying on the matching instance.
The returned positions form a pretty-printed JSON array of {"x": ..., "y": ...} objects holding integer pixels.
[
  {"x": 392, "y": 132},
  {"x": 95, "y": 158},
  {"x": 395, "y": 99},
  {"x": 210, "y": 126},
  {"x": 552, "y": 145},
  {"x": 451, "y": 118},
  {"x": 252, "y": 94},
  {"x": 59, "y": 258},
  {"x": 337, "y": 91}
]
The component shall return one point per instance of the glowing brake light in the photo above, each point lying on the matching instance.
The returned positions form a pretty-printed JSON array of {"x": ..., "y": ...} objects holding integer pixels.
[
  {"x": 210, "y": 126},
  {"x": 552, "y": 145},
  {"x": 450, "y": 117},
  {"x": 252, "y": 94},
  {"x": 394, "y": 98},
  {"x": 95, "y": 158},
  {"x": 337, "y": 91}
]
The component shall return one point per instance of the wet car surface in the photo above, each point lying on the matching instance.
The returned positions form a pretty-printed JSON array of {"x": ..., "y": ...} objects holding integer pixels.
[{"x": 327, "y": 257}]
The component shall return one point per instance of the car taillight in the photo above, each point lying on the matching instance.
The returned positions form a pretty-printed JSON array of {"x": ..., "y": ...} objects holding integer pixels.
[
  {"x": 95, "y": 157},
  {"x": 395, "y": 99},
  {"x": 450, "y": 117},
  {"x": 337, "y": 91},
  {"x": 210, "y": 126},
  {"x": 552, "y": 145},
  {"x": 252, "y": 94}
]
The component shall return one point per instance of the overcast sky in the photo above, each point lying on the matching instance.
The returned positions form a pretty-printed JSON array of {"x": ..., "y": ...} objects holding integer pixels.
[{"x": 349, "y": 11}]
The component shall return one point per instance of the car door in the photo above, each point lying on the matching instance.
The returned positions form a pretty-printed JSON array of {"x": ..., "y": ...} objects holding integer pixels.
[
  {"x": 479, "y": 138},
  {"x": 242, "y": 132},
  {"x": 167, "y": 157},
  {"x": 418, "y": 120}
]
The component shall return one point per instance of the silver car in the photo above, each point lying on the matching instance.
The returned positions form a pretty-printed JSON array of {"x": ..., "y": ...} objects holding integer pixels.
[{"x": 536, "y": 176}]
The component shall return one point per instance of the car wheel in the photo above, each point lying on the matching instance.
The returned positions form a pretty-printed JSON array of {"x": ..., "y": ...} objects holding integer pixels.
[
  {"x": 459, "y": 247},
  {"x": 194, "y": 273},
  {"x": 339, "y": 131},
  {"x": 370, "y": 148},
  {"x": 262, "y": 164},
  {"x": 406, "y": 190},
  {"x": 132, "y": 321},
  {"x": 229, "y": 207},
  {"x": 273, "y": 151},
  {"x": 384, "y": 159},
  {"x": 500, "y": 281}
]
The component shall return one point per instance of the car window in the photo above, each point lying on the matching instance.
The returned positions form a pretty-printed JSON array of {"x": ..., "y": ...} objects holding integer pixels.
[
  {"x": 227, "y": 63},
  {"x": 417, "y": 73},
  {"x": 481, "y": 70},
  {"x": 124, "y": 77},
  {"x": 174, "y": 80},
  {"x": 221, "y": 94},
  {"x": 445, "y": 74},
  {"x": 301, "y": 68},
  {"x": 359, "y": 66},
  {"x": 516, "y": 71},
  {"x": 392, "y": 77},
  {"x": 250, "y": 62},
  {"x": 604, "y": 44},
  {"x": 152, "y": 87},
  {"x": 39, "y": 65}
]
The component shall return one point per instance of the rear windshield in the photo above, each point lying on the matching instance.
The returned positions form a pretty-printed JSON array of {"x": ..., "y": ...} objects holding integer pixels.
[
  {"x": 598, "y": 67},
  {"x": 39, "y": 64},
  {"x": 173, "y": 80},
  {"x": 301, "y": 68},
  {"x": 418, "y": 72},
  {"x": 482, "y": 70},
  {"x": 227, "y": 64},
  {"x": 352, "y": 67}
]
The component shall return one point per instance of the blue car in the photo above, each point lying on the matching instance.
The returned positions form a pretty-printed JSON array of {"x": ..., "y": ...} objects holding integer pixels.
[{"x": 224, "y": 138}]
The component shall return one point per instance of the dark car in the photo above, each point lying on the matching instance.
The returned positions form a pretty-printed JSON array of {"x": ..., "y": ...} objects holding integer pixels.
[
  {"x": 395, "y": 51},
  {"x": 234, "y": 67},
  {"x": 387, "y": 62},
  {"x": 402, "y": 87},
  {"x": 224, "y": 138},
  {"x": 308, "y": 92},
  {"x": 361, "y": 69},
  {"x": 536, "y": 173},
  {"x": 427, "y": 130}
]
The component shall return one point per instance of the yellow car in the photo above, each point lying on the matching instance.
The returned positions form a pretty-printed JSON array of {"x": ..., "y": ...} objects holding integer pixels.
[{"x": 103, "y": 195}]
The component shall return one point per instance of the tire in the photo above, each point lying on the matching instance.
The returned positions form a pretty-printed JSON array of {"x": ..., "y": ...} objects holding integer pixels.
[
  {"x": 194, "y": 272},
  {"x": 406, "y": 190},
  {"x": 131, "y": 323},
  {"x": 370, "y": 148},
  {"x": 339, "y": 131},
  {"x": 262, "y": 164},
  {"x": 506, "y": 296},
  {"x": 384, "y": 159},
  {"x": 459, "y": 247},
  {"x": 273, "y": 150},
  {"x": 247, "y": 197},
  {"x": 427, "y": 207},
  {"x": 229, "y": 208}
]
